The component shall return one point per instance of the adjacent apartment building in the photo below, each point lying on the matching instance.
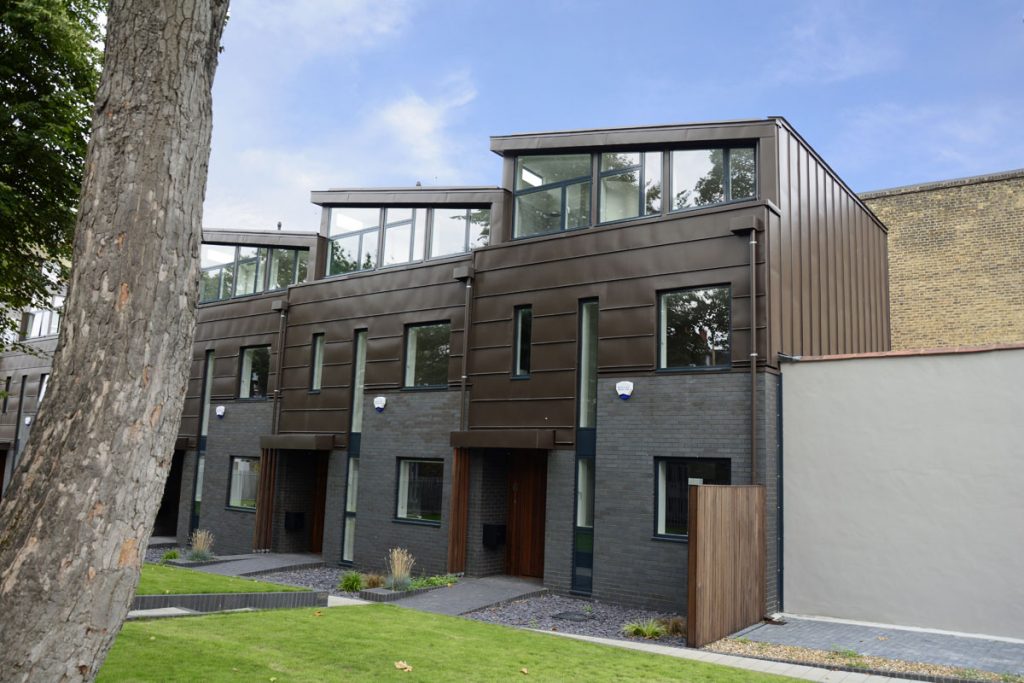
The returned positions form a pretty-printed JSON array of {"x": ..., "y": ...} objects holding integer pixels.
[{"x": 521, "y": 379}]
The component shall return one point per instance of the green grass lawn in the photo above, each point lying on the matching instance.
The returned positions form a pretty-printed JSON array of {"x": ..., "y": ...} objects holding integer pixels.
[
  {"x": 363, "y": 643},
  {"x": 158, "y": 579}
]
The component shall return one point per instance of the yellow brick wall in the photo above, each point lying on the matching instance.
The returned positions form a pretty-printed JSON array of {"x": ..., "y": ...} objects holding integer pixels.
[{"x": 956, "y": 261}]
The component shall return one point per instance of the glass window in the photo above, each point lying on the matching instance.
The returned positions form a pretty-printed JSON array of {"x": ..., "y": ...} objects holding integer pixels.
[
  {"x": 674, "y": 476},
  {"x": 426, "y": 355},
  {"x": 358, "y": 381},
  {"x": 585, "y": 492},
  {"x": 523, "y": 338},
  {"x": 246, "y": 272},
  {"x": 702, "y": 177},
  {"x": 588, "y": 364},
  {"x": 245, "y": 479},
  {"x": 693, "y": 328},
  {"x": 255, "y": 372},
  {"x": 479, "y": 228},
  {"x": 419, "y": 489},
  {"x": 552, "y": 193},
  {"x": 347, "y": 219},
  {"x": 630, "y": 185},
  {"x": 7, "y": 393},
  {"x": 448, "y": 235},
  {"x": 44, "y": 380},
  {"x": 317, "y": 363},
  {"x": 204, "y": 417},
  {"x": 351, "y": 491},
  {"x": 397, "y": 244},
  {"x": 404, "y": 235},
  {"x": 284, "y": 268}
]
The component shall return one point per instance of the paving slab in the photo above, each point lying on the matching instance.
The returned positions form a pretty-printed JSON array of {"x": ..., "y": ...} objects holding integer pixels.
[
  {"x": 471, "y": 594},
  {"x": 338, "y": 601},
  {"x": 966, "y": 652},
  {"x": 159, "y": 613},
  {"x": 260, "y": 563}
]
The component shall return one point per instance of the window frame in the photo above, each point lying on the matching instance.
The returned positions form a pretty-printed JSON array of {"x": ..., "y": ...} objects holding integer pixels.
[
  {"x": 562, "y": 186},
  {"x": 265, "y": 256},
  {"x": 726, "y": 176},
  {"x": 231, "y": 483},
  {"x": 7, "y": 394},
  {"x": 641, "y": 170},
  {"x": 518, "y": 313},
  {"x": 406, "y": 386},
  {"x": 399, "y": 462},
  {"x": 660, "y": 324},
  {"x": 316, "y": 362},
  {"x": 241, "y": 366},
  {"x": 658, "y": 461}
]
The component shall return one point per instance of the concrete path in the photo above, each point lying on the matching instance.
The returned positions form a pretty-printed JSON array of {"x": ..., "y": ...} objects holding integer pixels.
[
  {"x": 469, "y": 595},
  {"x": 895, "y": 643},
  {"x": 806, "y": 673},
  {"x": 163, "y": 542},
  {"x": 260, "y": 563}
]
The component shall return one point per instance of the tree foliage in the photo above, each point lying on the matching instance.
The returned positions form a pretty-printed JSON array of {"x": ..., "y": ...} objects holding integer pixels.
[{"x": 49, "y": 69}]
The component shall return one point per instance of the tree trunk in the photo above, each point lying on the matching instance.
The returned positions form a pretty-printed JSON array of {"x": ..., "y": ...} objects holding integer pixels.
[{"x": 74, "y": 531}]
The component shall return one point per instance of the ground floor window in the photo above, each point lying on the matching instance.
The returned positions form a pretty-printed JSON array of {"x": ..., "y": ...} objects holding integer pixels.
[
  {"x": 245, "y": 477},
  {"x": 351, "y": 490},
  {"x": 419, "y": 490},
  {"x": 674, "y": 477}
]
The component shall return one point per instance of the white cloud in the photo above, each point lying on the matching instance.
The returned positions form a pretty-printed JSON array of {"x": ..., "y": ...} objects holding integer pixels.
[
  {"x": 920, "y": 143},
  {"x": 829, "y": 45},
  {"x": 399, "y": 142}
]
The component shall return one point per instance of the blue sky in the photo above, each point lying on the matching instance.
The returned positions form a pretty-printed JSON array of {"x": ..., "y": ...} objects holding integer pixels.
[{"x": 313, "y": 94}]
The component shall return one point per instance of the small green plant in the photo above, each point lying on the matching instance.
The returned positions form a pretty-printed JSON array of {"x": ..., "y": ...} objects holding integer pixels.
[
  {"x": 351, "y": 582},
  {"x": 588, "y": 609},
  {"x": 674, "y": 626},
  {"x": 201, "y": 546},
  {"x": 852, "y": 657},
  {"x": 400, "y": 563},
  {"x": 433, "y": 581},
  {"x": 1011, "y": 678},
  {"x": 648, "y": 628},
  {"x": 373, "y": 580},
  {"x": 170, "y": 555},
  {"x": 534, "y": 623},
  {"x": 744, "y": 640}
]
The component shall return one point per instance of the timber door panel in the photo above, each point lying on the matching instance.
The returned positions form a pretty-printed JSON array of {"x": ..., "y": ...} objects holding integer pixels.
[
  {"x": 527, "y": 500},
  {"x": 316, "y": 540}
]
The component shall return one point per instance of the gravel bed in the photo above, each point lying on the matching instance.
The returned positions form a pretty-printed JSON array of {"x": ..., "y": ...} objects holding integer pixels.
[
  {"x": 317, "y": 578},
  {"x": 851, "y": 660},
  {"x": 601, "y": 619},
  {"x": 155, "y": 554}
]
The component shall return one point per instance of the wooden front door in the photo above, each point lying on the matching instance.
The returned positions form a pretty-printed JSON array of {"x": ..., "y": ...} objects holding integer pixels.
[
  {"x": 316, "y": 540},
  {"x": 527, "y": 499}
]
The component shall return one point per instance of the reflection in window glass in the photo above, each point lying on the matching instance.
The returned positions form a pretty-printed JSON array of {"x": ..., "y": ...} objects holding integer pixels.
[
  {"x": 588, "y": 364},
  {"x": 449, "y": 232},
  {"x": 419, "y": 489},
  {"x": 694, "y": 328},
  {"x": 351, "y": 492},
  {"x": 255, "y": 372},
  {"x": 620, "y": 196},
  {"x": 426, "y": 355},
  {"x": 397, "y": 242},
  {"x": 523, "y": 339},
  {"x": 742, "y": 173},
  {"x": 697, "y": 178},
  {"x": 317, "y": 363},
  {"x": 216, "y": 255},
  {"x": 419, "y": 236},
  {"x": 675, "y": 476},
  {"x": 577, "y": 205},
  {"x": 552, "y": 193},
  {"x": 282, "y": 268},
  {"x": 479, "y": 228},
  {"x": 353, "y": 252},
  {"x": 245, "y": 479},
  {"x": 585, "y": 492},
  {"x": 303, "y": 260},
  {"x": 245, "y": 280},
  {"x": 535, "y": 171},
  {"x": 346, "y": 219},
  {"x": 358, "y": 381},
  {"x": 652, "y": 182},
  {"x": 538, "y": 213}
]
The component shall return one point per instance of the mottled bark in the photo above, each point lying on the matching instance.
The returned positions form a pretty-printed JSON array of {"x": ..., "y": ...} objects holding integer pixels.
[{"x": 74, "y": 530}]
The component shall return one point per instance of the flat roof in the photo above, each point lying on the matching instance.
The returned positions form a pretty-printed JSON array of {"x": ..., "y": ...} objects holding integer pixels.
[
  {"x": 273, "y": 238},
  {"x": 408, "y": 195},
  {"x": 943, "y": 184}
]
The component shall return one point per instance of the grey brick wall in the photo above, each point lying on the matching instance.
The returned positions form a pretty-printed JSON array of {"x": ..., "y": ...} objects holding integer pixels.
[
  {"x": 768, "y": 417},
  {"x": 559, "y": 520},
  {"x": 680, "y": 415},
  {"x": 488, "y": 504},
  {"x": 238, "y": 433},
  {"x": 415, "y": 424},
  {"x": 334, "y": 511}
]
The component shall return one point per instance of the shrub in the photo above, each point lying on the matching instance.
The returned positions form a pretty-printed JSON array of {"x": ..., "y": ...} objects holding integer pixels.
[
  {"x": 648, "y": 628},
  {"x": 170, "y": 555},
  {"x": 433, "y": 581},
  {"x": 373, "y": 580},
  {"x": 674, "y": 626},
  {"x": 400, "y": 564},
  {"x": 201, "y": 545},
  {"x": 351, "y": 582}
]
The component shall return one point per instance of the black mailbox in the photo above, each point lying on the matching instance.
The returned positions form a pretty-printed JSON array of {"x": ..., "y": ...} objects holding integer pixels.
[
  {"x": 294, "y": 521},
  {"x": 494, "y": 535}
]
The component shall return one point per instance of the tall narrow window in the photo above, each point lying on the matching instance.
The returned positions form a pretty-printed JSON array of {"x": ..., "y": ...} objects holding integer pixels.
[
  {"x": 523, "y": 339},
  {"x": 358, "y": 381},
  {"x": 316, "y": 362},
  {"x": 588, "y": 365},
  {"x": 255, "y": 372},
  {"x": 426, "y": 355},
  {"x": 204, "y": 428},
  {"x": 44, "y": 381},
  {"x": 693, "y": 328},
  {"x": 351, "y": 493},
  {"x": 7, "y": 392},
  {"x": 674, "y": 477}
]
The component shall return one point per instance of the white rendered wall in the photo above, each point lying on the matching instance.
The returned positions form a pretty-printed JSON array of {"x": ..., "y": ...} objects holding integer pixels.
[{"x": 903, "y": 490}]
